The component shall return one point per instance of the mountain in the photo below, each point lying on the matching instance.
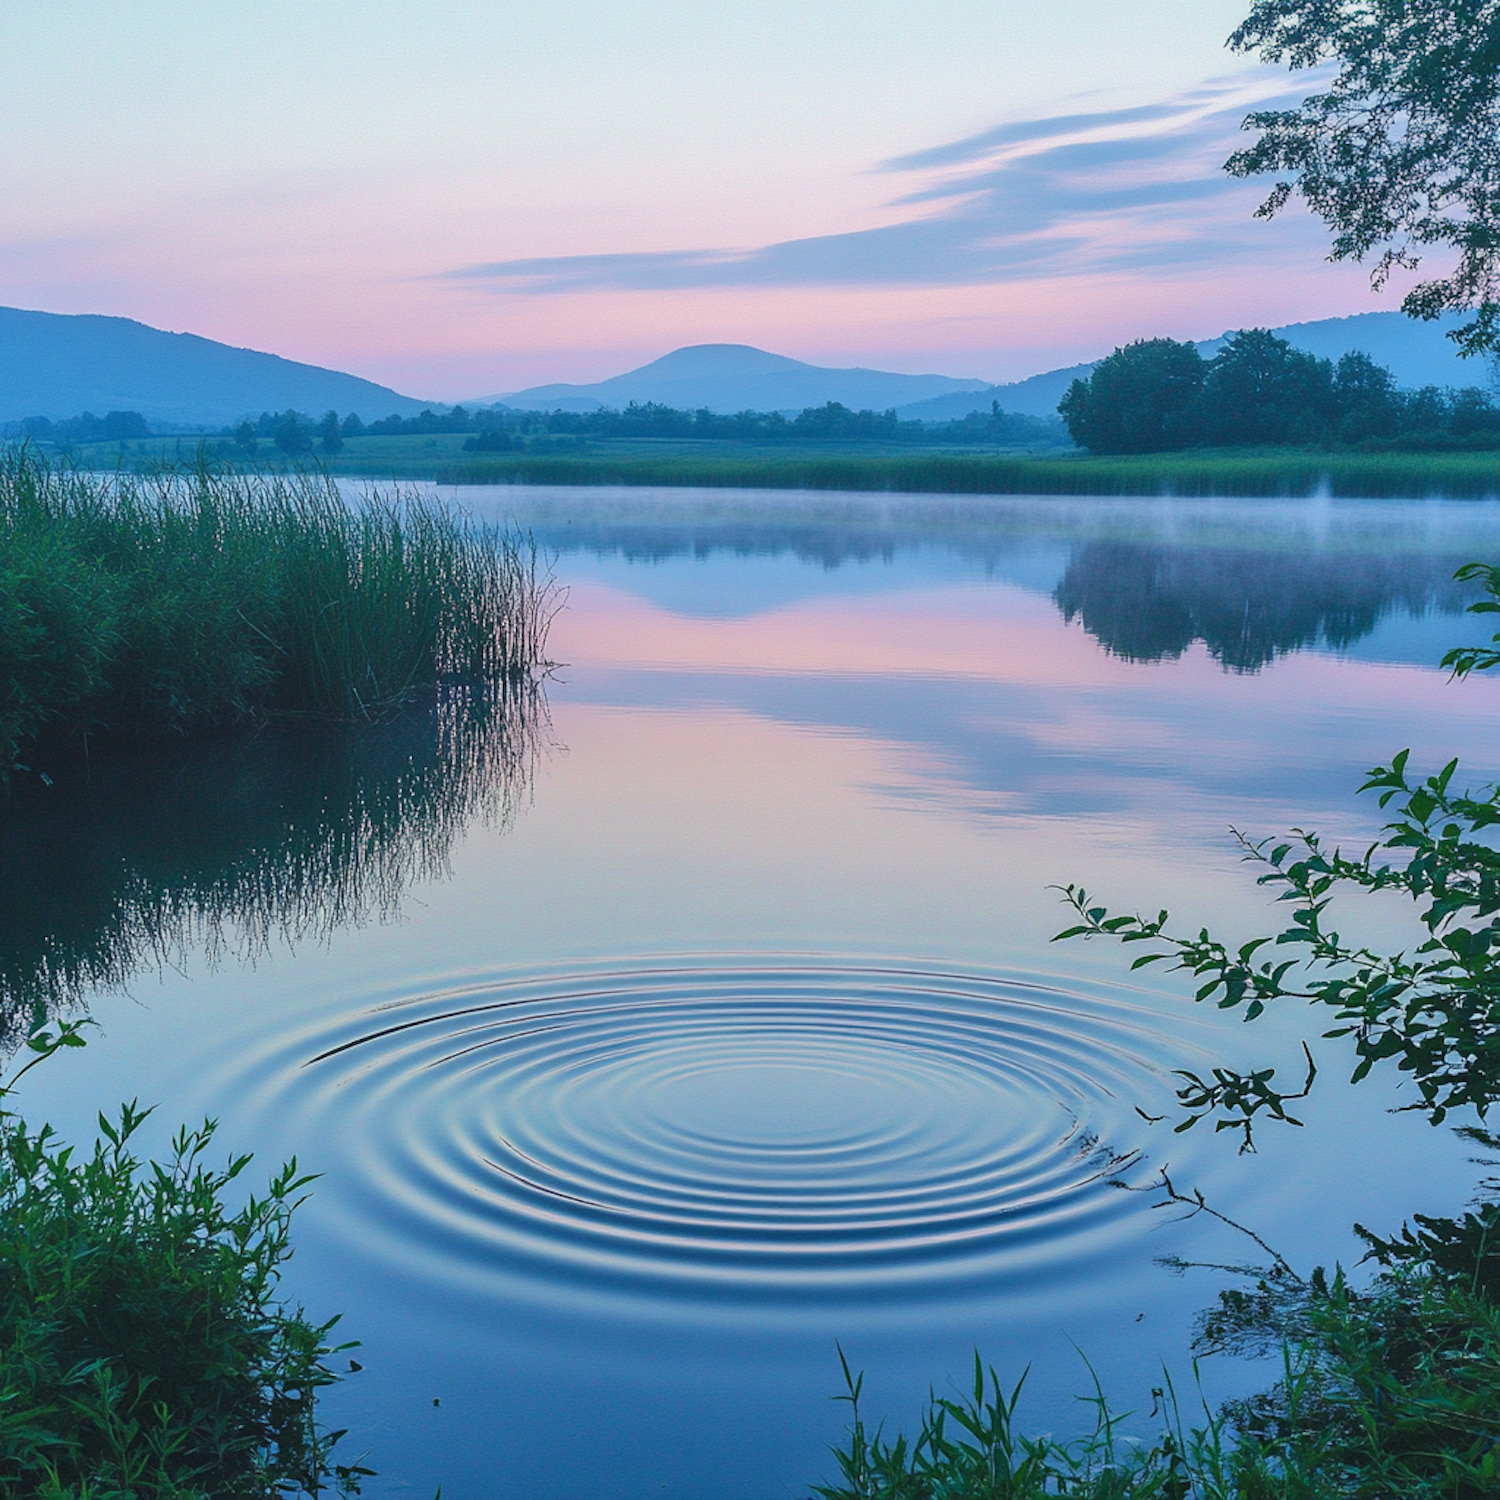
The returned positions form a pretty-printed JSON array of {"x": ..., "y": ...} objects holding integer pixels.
[
  {"x": 1417, "y": 353},
  {"x": 1036, "y": 396},
  {"x": 736, "y": 377},
  {"x": 58, "y": 365}
]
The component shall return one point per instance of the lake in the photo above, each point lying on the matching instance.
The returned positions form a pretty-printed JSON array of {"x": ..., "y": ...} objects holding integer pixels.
[{"x": 706, "y": 1020}]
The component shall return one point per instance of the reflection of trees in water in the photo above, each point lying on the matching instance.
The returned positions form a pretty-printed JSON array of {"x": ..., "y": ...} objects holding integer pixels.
[
  {"x": 229, "y": 846},
  {"x": 1148, "y": 603}
]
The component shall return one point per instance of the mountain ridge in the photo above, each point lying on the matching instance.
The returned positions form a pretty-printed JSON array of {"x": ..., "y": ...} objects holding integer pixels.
[
  {"x": 1417, "y": 354},
  {"x": 736, "y": 377},
  {"x": 60, "y": 364}
]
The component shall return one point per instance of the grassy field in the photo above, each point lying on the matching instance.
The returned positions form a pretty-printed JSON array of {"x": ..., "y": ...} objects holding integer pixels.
[
  {"x": 1206, "y": 473},
  {"x": 857, "y": 466}
]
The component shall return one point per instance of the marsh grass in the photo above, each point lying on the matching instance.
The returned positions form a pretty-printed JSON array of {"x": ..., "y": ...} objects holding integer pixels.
[
  {"x": 169, "y": 603},
  {"x": 1276, "y": 472},
  {"x": 1390, "y": 1391}
]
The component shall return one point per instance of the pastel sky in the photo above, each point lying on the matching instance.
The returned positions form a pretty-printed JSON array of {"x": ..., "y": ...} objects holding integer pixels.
[{"x": 460, "y": 199}]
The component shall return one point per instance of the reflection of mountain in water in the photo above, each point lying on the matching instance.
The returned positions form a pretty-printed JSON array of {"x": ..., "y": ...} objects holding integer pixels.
[
  {"x": 1147, "y": 603},
  {"x": 292, "y": 834}
]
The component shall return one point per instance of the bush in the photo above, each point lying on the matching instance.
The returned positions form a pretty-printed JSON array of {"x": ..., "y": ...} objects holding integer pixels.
[{"x": 143, "y": 1353}]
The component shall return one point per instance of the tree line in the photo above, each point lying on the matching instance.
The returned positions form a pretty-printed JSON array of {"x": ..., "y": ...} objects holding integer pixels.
[
  {"x": 1156, "y": 395},
  {"x": 833, "y": 421},
  {"x": 112, "y": 427},
  {"x": 501, "y": 429}
]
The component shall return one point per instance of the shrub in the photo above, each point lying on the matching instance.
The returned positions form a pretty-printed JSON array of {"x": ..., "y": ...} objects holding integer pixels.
[{"x": 143, "y": 1353}]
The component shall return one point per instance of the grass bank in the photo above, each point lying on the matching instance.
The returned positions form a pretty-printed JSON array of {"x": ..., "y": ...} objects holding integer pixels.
[
  {"x": 172, "y": 603},
  {"x": 1272, "y": 472}
]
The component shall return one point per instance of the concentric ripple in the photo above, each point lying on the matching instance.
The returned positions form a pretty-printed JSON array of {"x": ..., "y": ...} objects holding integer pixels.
[{"x": 764, "y": 1127}]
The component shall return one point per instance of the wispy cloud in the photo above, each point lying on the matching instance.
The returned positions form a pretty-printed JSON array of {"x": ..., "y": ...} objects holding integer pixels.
[{"x": 1087, "y": 192}]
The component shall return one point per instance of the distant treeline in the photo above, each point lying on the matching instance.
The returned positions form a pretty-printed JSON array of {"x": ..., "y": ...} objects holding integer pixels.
[
  {"x": 830, "y": 422},
  {"x": 1158, "y": 395},
  {"x": 499, "y": 430},
  {"x": 112, "y": 427}
]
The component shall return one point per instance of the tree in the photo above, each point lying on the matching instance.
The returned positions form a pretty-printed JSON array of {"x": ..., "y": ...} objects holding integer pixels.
[
  {"x": 244, "y": 437},
  {"x": 292, "y": 435},
  {"x": 330, "y": 439},
  {"x": 1258, "y": 389},
  {"x": 1141, "y": 399},
  {"x": 1364, "y": 396},
  {"x": 1400, "y": 153}
]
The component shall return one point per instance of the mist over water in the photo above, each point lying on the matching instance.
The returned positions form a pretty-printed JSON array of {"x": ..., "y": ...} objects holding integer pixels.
[{"x": 657, "y": 1034}]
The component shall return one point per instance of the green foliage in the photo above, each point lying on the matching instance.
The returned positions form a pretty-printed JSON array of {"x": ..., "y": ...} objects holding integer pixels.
[
  {"x": 1434, "y": 1012},
  {"x": 1144, "y": 398},
  {"x": 1157, "y": 395},
  {"x": 202, "y": 599},
  {"x": 1386, "y": 1391},
  {"x": 1462, "y": 660},
  {"x": 1397, "y": 153},
  {"x": 970, "y": 1449},
  {"x": 1259, "y": 389},
  {"x": 143, "y": 1352}
]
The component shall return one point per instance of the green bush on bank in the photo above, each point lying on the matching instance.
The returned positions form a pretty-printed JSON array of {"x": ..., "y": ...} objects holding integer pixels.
[
  {"x": 188, "y": 600},
  {"x": 143, "y": 1352}
]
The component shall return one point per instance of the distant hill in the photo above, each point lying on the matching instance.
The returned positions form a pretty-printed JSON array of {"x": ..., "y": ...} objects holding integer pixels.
[
  {"x": 57, "y": 365},
  {"x": 1036, "y": 396},
  {"x": 1417, "y": 353},
  {"x": 737, "y": 377}
]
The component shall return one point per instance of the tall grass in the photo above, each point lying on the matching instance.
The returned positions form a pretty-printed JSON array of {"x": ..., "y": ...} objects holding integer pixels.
[
  {"x": 1286, "y": 472},
  {"x": 1386, "y": 1392},
  {"x": 185, "y": 600}
]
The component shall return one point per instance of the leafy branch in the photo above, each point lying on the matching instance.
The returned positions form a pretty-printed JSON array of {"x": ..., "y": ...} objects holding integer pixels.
[{"x": 1433, "y": 1012}]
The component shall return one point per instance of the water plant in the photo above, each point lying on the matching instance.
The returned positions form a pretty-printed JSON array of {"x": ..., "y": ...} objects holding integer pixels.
[
  {"x": 144, "y": 1351},
  {"x": 201, "y": 598},
  {"x": 1387, "y": 1390}
]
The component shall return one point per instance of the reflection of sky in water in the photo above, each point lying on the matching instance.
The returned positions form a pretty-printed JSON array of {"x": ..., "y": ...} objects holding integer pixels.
[{"x": 855, "y": 740}]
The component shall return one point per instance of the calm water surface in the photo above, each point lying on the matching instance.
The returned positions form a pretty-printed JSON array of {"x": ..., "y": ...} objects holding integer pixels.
[{"x": 710, "y": 1017}]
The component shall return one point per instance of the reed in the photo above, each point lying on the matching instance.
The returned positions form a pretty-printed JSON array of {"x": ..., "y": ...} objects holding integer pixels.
[
  {"x": 1284, "y": 472},
  {"x": 190, "y": 599}
]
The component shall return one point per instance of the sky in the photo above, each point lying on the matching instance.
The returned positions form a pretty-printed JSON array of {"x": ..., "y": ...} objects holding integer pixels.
[{"x": 464, "y": 199}]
